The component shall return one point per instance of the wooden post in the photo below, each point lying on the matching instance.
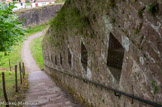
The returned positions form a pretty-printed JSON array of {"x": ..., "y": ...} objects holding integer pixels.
[
  {"x": 9, "y": 64},
  {"x": 132, "y": 102},
  {"x": 20, "y": 72},
  {"x": 23, "y": 70},
  {"x": 4, "y": 89},
  {"x": 16, "y": 87}
]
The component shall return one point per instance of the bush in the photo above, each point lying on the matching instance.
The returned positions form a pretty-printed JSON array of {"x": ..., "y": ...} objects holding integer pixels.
[{"x": 11, "y": 31}]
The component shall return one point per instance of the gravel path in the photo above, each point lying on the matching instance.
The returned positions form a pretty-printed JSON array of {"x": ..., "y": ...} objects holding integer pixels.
[{"x": 43, "y": 91}]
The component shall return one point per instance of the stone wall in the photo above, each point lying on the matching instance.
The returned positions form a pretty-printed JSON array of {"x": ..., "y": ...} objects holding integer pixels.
[
  {"x": 120, "y": 46},
  {"x": 37, "y": 16}
]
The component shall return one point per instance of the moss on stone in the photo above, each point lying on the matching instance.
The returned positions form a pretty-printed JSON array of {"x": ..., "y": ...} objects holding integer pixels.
[
  {"x": 79, "y": 20},
  {"x": 153, "y": 8}
]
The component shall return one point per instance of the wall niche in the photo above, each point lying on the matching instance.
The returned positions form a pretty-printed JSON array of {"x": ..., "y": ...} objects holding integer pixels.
[
  {"x": 115, "y": 57},
  {"x": 84, "y": 56},
  {"x": 69, "y": 57}
]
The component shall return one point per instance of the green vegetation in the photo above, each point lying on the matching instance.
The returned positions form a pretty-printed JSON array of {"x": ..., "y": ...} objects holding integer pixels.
[
  {"x": 153, "y": 8},
  {"x": 10, "y": 87},
  {"x": 10, "y": 81},
  {"x": 36, "y": 50},
  {"x": 28, "y": 4},
  {"x": 35, "y": 29},
  {"x": 11, "y": 40},
  {"x": 60, "y": 1},
  {"x": 14, "y": 56},
  {"x": 137, "y": 31},
  {"x": 155, "y": 87},
  {"x": 69, "y": 18},
  {"x": 11, "y": 31},
  {"x": 140, "y": 12},
  {"x": 79, "y": 22}
]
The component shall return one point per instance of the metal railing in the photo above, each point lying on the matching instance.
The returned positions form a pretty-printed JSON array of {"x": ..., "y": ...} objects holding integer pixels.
[{"x": 116, "y": 92}]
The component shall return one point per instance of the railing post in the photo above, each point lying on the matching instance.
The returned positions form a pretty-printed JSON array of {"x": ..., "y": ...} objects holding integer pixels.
[
  {"x": 16, "y": 87},
  {"x": 9, "y": 64},
  {"x": 4, "y": 89},
  {"x": 23, "y": 70},
  {"x": 20, "y": 72}
]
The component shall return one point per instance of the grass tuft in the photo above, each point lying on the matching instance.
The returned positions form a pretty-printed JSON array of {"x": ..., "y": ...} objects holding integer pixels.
[
  {"x": 69, "y": 18},
  {"x": 36, "y": 50},
  {"x": 10, "y": 87},
  {"x": 140, "y": 12},
  {"x": 60, "y": 1},
  {"x": 153, "y": 8},
  {"x": 35, "y": 29}
]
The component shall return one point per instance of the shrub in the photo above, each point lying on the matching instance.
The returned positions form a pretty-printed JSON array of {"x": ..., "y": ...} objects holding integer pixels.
[{"x": 11, "y": 31}]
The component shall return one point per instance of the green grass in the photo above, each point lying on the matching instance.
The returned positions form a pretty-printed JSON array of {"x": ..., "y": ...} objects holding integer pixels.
[
  {"x": 14, "y": 56},
  {"x": 36, "y": 50},
  {"x": 35, "y": 29},
  {"x": 10, "y": 87},
  {"x": 60, "y": 1},
  {"x": 10, "y": 83},
  {"x": 28, "y": 4}
]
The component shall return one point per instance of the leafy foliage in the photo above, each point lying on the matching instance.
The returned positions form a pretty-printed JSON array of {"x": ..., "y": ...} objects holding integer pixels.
[
  {"x": 13, "y": 56},
  {"x": 11, "y": 31}
]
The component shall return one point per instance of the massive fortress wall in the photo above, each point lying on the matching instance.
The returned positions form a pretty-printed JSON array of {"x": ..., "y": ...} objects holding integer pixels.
[
  {"x": 39, "y": 15},
  {"x": 116, "y": 43}
]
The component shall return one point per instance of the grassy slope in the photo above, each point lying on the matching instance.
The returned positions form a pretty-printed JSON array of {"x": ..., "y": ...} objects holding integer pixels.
[
  {"x": 10, "y": 80},
  {"x": 10, "y": 87},
  {"x": 35, "y": 29},
  {"x": 15, "y": 55},
  {"x": 60, "y": 1},
  {"x": 36, "y": 50}
]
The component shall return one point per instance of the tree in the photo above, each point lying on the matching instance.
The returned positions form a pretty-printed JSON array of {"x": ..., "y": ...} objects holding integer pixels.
[{"x": 11, "y": 30}]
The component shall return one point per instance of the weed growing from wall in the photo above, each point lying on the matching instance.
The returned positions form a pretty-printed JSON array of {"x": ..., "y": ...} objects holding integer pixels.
[
  {"x": 69, "y": 18},
  {"x": 140, "y": 12},
  {"x": 155, "y": 87},
  {"x": 153, "y": 8},
  {"x": 78, "y": 20}
]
